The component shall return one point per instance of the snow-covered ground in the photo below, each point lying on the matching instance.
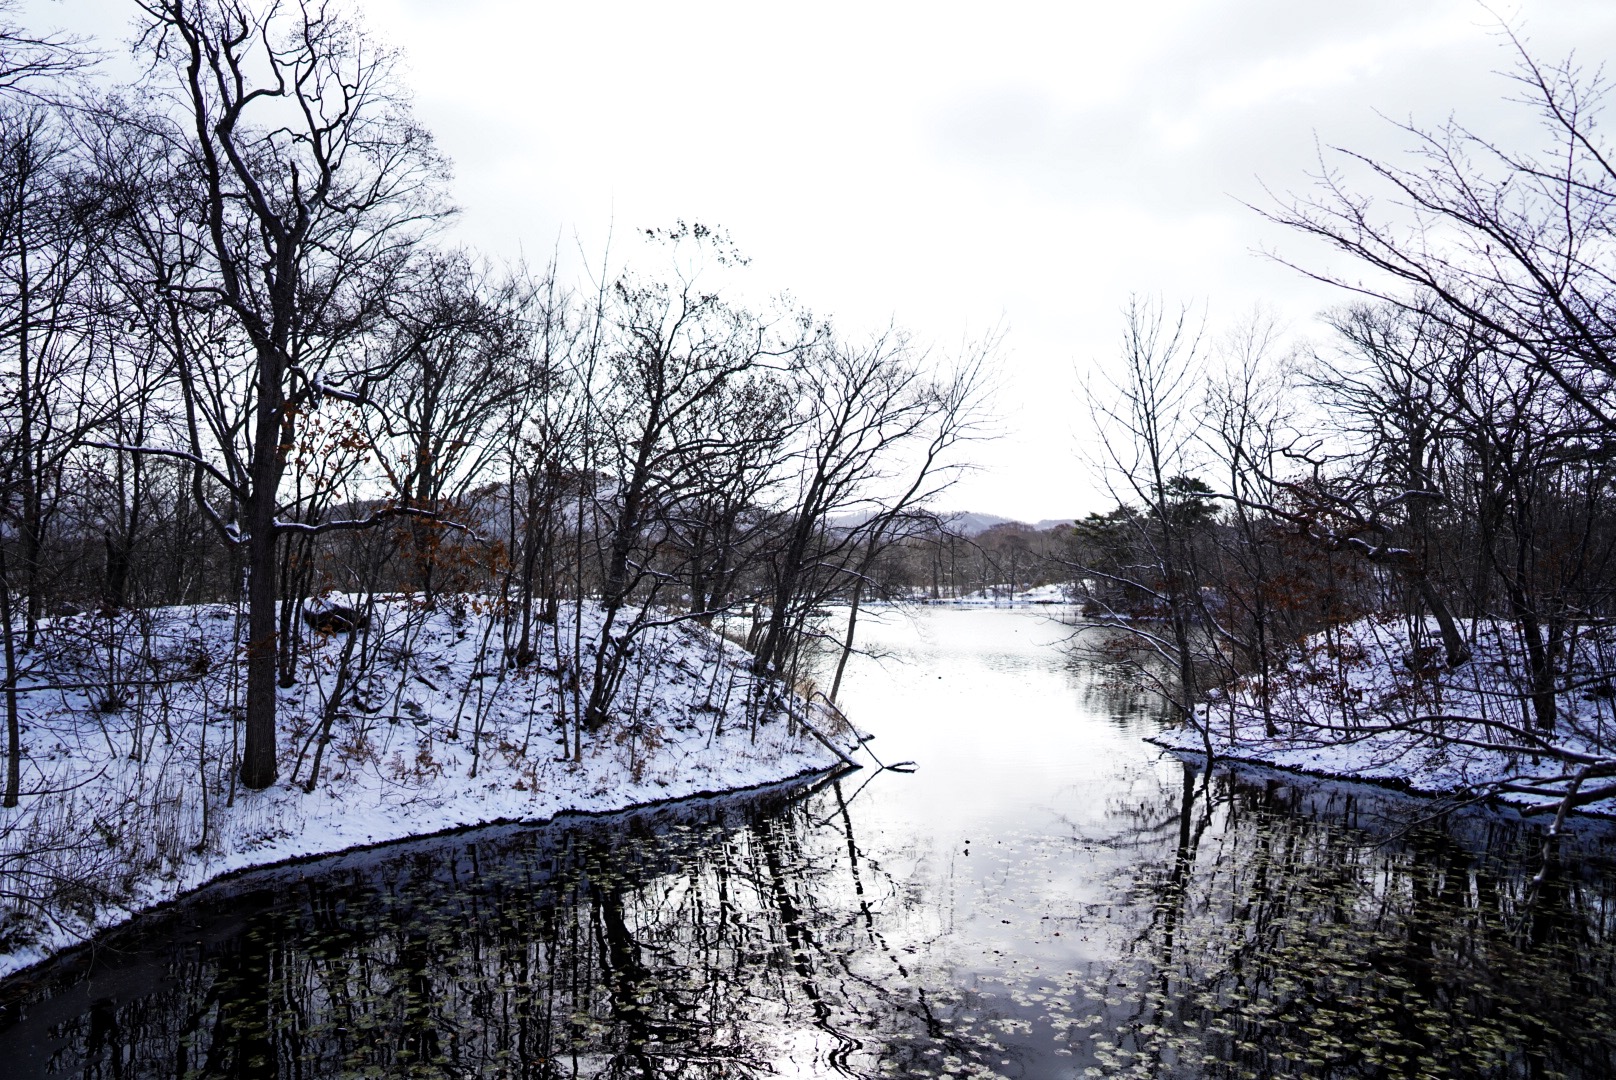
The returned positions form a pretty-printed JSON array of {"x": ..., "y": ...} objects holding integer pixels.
[
  {"x": 128, "y": 793},
  {"x": 1007, "y": 596},
  {"x": 1355, "y": 702}
]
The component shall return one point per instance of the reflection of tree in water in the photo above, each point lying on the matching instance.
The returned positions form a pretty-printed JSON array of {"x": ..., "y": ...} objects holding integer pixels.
[
  {"x": 1247, "y": 930},
  {"x": 1273, "y": 944},
  {"x": 690, "y": 949},
  {"x": 1118, "y": 677}
]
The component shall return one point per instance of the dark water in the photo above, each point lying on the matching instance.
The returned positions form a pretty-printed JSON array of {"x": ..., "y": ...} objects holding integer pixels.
[{"x": 1045, "y": 897}]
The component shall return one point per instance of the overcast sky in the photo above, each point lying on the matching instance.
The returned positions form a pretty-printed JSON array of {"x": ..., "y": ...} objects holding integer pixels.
[{"x": 951, "y": 167}]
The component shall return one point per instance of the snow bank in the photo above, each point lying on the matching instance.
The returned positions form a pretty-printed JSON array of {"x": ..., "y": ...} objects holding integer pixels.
[
  {"x": 1357, "y": 702},
  {"x": 1006, "y": 596},
  {"x": 129, "y": 798}
]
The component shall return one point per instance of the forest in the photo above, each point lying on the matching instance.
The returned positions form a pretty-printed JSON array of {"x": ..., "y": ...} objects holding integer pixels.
[
  {"x": 1426, "y": 490},
  {"x": 242, "y": 364},
  {"x": 295, "y": 490}
]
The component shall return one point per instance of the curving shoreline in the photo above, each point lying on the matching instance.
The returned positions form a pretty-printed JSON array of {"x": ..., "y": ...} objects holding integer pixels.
[
  {"x": 257, "y": 874},
  {"x": 1400, "y": 784},
  {"x": 1350, "y": 705},
  {"x": 131, "y": 809}
]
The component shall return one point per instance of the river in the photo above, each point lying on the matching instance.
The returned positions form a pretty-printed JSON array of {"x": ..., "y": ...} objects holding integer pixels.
[{"x": 1046, "y": 895}]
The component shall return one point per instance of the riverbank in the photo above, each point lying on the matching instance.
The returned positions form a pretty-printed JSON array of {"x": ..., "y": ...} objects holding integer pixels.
[
  {"x": 1357, "y": 703},
  {"x": 131, "y": 727},
  {"x": 1004, "y": 596}
]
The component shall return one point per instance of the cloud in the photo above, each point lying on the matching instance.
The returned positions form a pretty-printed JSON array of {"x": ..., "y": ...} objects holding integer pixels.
[{"x": 950, "y": 164}]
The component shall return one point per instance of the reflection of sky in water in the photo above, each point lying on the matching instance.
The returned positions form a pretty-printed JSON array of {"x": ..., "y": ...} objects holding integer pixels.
[
  {"x": 981, "y": 700},
  {"x": 1045, "y": 895},
  {"x": 1039, "y": 833},
  {"x": 1018, "y": 776}
]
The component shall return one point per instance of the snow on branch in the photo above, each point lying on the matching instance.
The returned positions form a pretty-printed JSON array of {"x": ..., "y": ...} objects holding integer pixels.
[{"x": 352, "y": 524}]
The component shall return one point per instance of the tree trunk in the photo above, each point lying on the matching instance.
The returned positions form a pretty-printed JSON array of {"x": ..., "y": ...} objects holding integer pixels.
[
  {"x": 610, "y": 654},
  {"x": 1541, "y": 661},
  {"x": 258, "y": 767},
  {"x": 296, "y": 562},
  {"x": 847, "y": 641},
  {"x": 13, "y": 723},
  {"x": 117, "y": 588},
  {"x": 771, "y": 654},
  {"x": 1188, "y": 689},
  {"x": 1453, "y": 642},
  {"x": 698, "y": 572},
  {"x": 525, "y": 586},
  {"x": 31, "y": 481}
]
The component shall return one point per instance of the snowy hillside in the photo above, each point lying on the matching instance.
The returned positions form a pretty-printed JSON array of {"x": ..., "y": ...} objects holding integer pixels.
[
  {"x": 1355, "y": 702},
  {"x": 129, "y": 796}
]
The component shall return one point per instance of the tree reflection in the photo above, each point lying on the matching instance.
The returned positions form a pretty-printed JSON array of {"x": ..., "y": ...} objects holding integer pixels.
[
  {"x": 1251, "y": 929},
  {"x": 651, "y": 947},
  {"x": 1310, "y": 945}
]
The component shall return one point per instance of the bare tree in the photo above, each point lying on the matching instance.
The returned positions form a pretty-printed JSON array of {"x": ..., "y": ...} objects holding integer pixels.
[
  {"x": 34, "y": 65},
  {"x": 1390, "y": 398},
  {"x": 46, "y": 407},
  {"x": 876, "y": 445},
  {"x": 1148, "y": 422},
  {"x": 678, "y": 349},
  {"x": 45, "y": 253},
  {"x": 1513, "y": 244},
  {"x": 1249, "y": 427},
  {"x": 1508, "y": 252},
  {"x": 959, "y": 408},
  {"x": 456, "y": 336},
  {"x": 544, "y": 430},
  {"x": 456, "y": 333},
  {"x": 291, "y": 189}
]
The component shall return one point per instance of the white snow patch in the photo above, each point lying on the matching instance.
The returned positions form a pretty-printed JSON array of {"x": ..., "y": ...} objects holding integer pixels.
[
  {"x": 1357, "y": 702},
  {"x": 1007, "y": 595},
  {"x": 128, "y": 794}
]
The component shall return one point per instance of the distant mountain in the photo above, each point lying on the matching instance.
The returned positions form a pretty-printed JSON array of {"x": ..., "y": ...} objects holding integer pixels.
[
  {"x": 970, "y": 523},
  {"x": 962, "y": 522}
]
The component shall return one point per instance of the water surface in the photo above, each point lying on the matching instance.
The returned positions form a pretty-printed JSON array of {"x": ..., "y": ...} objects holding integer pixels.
[{"x": 1046, "y": 896}]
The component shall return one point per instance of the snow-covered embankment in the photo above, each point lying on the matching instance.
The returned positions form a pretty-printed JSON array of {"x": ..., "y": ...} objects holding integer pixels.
[
  {"x": 130, "y": 727},
  {"x": 1357, "y": 702}
]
